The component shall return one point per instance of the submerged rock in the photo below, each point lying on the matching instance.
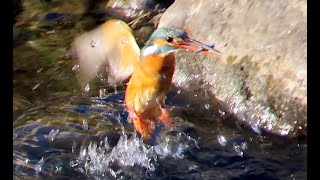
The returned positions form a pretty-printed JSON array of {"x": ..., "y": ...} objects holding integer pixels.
[{"x": 261, "y": 78}]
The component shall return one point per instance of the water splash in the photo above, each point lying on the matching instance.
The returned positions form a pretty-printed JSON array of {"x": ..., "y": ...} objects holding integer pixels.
[
  {"x": 130, "y": 155},
  {"x": 175, "y": 147},
  {"x": 85, "y": 125},
  {"x": 74, "y": 146},
  {"x": 102, "y": 93},
  {"x": 238, "y": 144},
  {"x": 222, "y": 140},
  {"x": 222, "y": 113},
  {"x": 15, "y": 136},
  {"x": 75, "y": 67},
  {"x": 53, "y": 133},
  {"x": 87, "y": 88},
  {"x": 74, "y": 162},
  {"x": 239, "y": 148},
  {"x": 58, "y": 168},
  {"x": 36, "y": 86},
  {"x": 255, "y": 128},
  {"x": 39, "y": 166}
]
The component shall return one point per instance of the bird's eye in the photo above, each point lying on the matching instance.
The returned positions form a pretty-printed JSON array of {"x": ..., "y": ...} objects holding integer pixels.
[{"x": 169, "y": 39}]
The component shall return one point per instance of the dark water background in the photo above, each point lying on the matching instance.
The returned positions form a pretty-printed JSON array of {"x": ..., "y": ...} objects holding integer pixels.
[{"x": 60, "y": 132}]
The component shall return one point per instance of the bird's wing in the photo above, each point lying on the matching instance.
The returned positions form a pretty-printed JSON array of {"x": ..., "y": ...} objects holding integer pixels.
[{"x": 90, "y": 52}]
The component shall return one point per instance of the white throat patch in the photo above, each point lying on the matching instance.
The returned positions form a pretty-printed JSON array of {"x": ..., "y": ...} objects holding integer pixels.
[{"x": 151, "y": 50}]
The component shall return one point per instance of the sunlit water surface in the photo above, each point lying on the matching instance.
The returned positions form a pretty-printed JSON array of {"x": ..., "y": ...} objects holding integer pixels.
[{"x": 89, "y": 138}]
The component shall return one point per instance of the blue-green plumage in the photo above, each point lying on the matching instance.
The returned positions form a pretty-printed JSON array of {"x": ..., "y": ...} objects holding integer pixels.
[{"x": 163, "y": 33}]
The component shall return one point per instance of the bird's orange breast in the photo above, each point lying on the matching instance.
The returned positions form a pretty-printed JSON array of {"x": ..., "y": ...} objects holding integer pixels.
[{"x": 150, "y": 82}]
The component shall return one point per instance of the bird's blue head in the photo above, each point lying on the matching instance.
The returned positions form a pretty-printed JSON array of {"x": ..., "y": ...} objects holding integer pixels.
[{"x": 167, "y": 40}]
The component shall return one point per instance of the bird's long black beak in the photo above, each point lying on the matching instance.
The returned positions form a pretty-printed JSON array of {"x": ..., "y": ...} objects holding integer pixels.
[{"x": 196, "y": 46}]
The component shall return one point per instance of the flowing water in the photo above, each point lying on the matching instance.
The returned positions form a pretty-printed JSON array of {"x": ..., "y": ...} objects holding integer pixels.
[
  {"x": 61, "y": 132},
  {"x": 89, "y": 138}
]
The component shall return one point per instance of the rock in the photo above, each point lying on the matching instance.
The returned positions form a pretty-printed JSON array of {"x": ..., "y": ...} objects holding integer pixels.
[
  {"x": 96, "y": 6},
  {"x": 130, "y": 10},
  {"x": 261, "y": 78},
  {"x": 144, "y": 33}
]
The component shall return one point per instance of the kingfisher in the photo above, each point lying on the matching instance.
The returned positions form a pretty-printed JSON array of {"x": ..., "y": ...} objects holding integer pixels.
[
  {"x": 151, "y": 79},
  {"x": 112, "y": 47}
]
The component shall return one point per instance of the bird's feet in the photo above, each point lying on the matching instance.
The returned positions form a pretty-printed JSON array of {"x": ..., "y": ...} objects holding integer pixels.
[{"x": 165, "y": 118}]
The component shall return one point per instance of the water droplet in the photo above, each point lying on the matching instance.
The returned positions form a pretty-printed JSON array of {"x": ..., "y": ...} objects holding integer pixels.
[
  {"x": 193, "y": 167},
  {"x": 124, "y": 41},
  {"x": 106, "y": 144},
  {"x": 27, "y": 160},
  {"x": 83, "y": 153},
  {"x": 39, "y": 166},
  {"x": 93, "y": 44},
  {"x": 217, "y": 3},
  {"x": 235, "y": 110},
  {"x": 179, "y": 91},
  {"x": 75, "y": 67},
  {"x": 53, "y": 134},
  {"x": 39, "y": 70},
  {"x": 207, "y": 106},
  {"x": 87, "y": 88},
  {"x": 58, "y": 168},
  {"x": 222, "y": 112},
  {"x": 255, "y": 128},
  {"x": 16, "y": 169},
  {"x": 113, "y": 173},
  {"x": 102, "y": 93},
  {"x": 74, "y": 146},
  {"x": 36, "y": 86},
  {"x": 74, "y": 163},
  {"x": 15, "y": 135},
  {"x": 222, "y": 140},
  {"x": 244, "y": 145},
  {"x": 239, "y": 148},
  {"x": 85, "y": 124}
]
